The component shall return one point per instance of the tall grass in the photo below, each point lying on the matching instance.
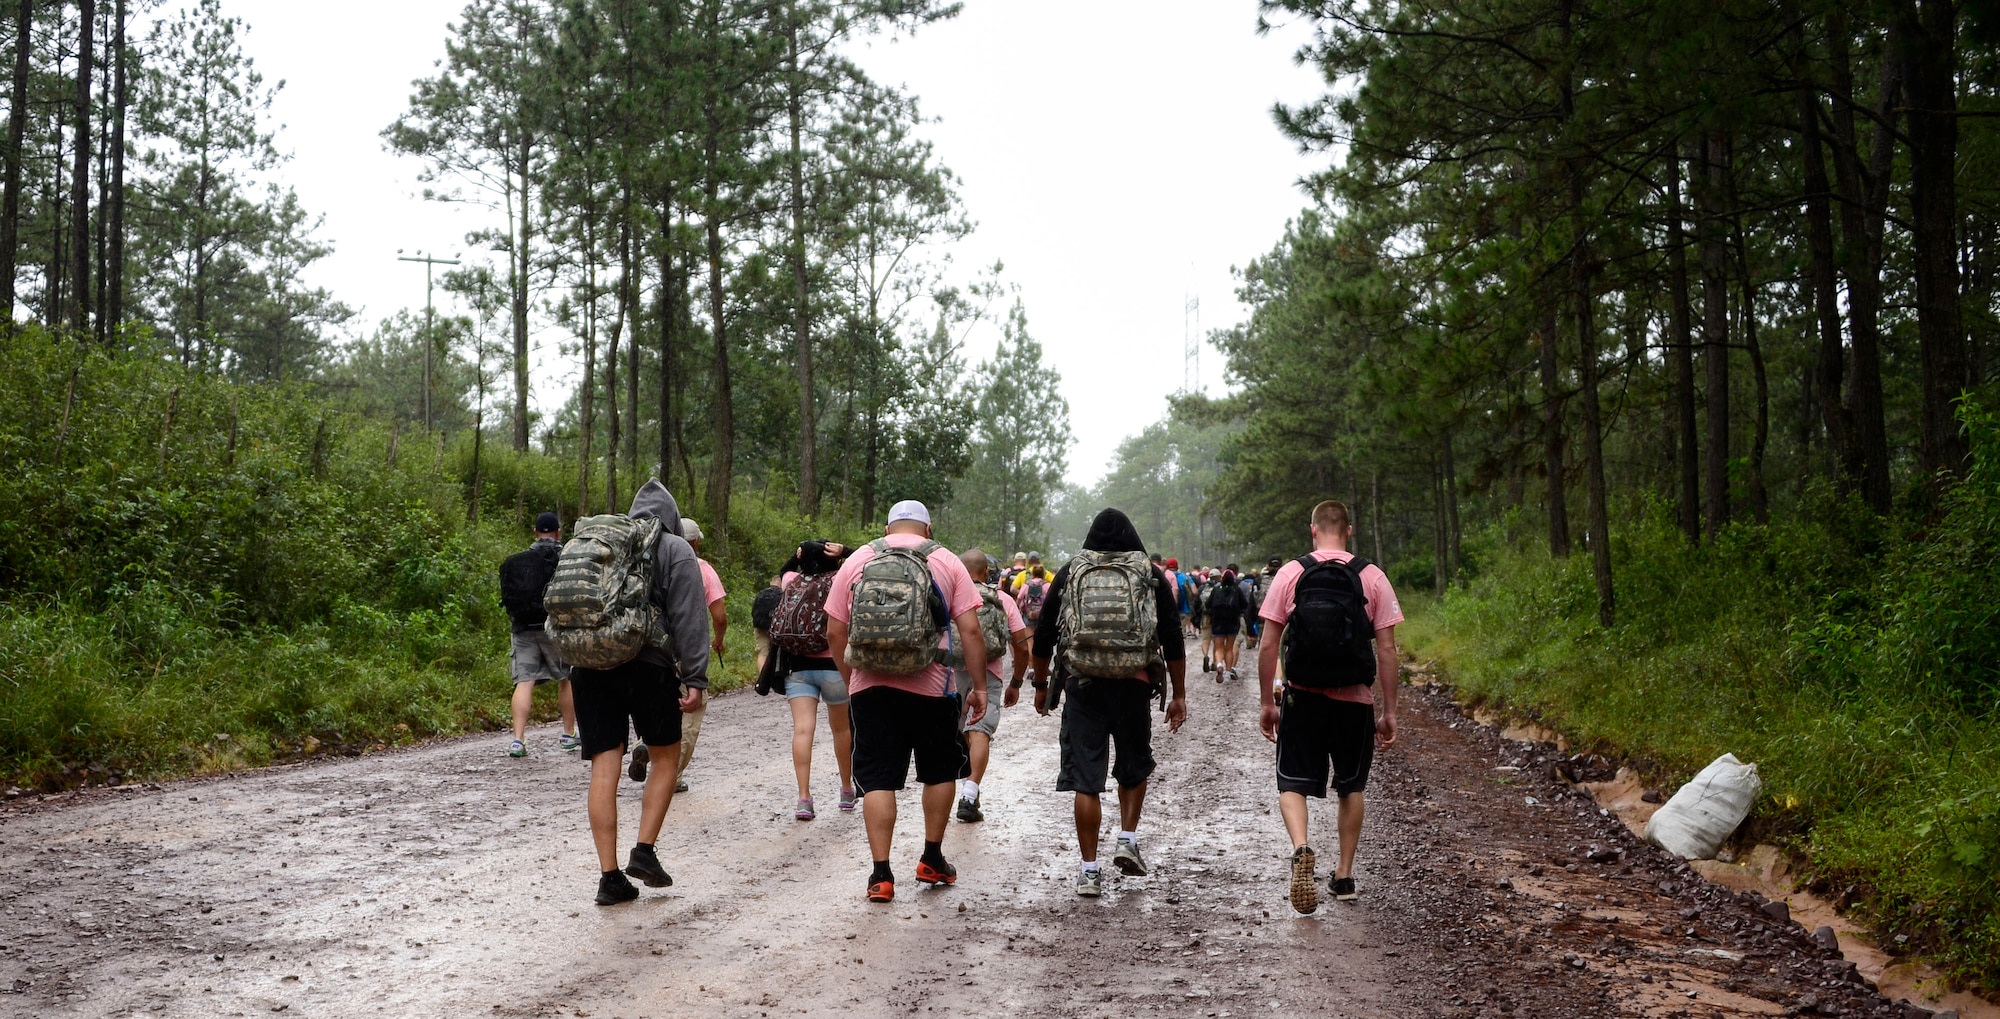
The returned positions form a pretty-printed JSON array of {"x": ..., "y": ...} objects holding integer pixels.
[{"x": 1854, "y": 663}]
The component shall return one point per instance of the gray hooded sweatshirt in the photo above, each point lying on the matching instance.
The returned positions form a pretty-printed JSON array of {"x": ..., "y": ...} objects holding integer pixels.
[{"x": 677, "y": 588}]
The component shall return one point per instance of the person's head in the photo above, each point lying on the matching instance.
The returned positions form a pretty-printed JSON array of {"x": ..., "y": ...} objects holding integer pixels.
[
  {"x": 1155, "y": 558},
  {"x": 1232, "y": 569},
  {"x": 1330, "y": 523},
  {"x": 548, "y": 525},
  {"x": 909, "y": 517},
  {"x": 1112, "y": 531},
  {"x": 1020, "y": 560},
  {"x": 1034, "y": 560},
  {"x": 692, "y": 532},
  {"x": 1173, "y": 564},
  {"x": 1272, "y": 566},
  {"x": 1229, "y": 576},
  {"x": 976, "y": 564}
]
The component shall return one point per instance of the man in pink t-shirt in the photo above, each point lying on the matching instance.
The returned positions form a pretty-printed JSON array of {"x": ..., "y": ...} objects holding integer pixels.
[
  {"x": 979, "y": 734},
  {"x": 897, "y": 717},
  {"x": 1326, "y": 723}
]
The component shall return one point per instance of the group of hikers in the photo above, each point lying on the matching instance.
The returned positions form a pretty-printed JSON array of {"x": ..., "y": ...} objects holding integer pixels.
[{"x": 908, "y": 645}]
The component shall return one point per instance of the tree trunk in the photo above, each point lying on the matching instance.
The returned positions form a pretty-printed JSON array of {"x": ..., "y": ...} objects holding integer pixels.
[
  {"x": 1715, "y": 330},
  {"x": 1863, "y": 214},
  {"x": 722, "y": 468},
  {"x": 1553, "y": 451},
  {"x": 1830, "y": 365},
  {"x": 1929, "y": 55},
  {"x": 519, "y": 267},
  {"x": 1593, "y": 430},
  {"x": 1681, "y": 353},
  {"x": 612, "y": 435},
  {"x": 587, "y": 397},
  {"x": 1760, "y": 502},
  {"x": 79, "y": 188},
  {"x": 802, "y": 351},
  {"x": 17, "y": 129},
  {"x": 1454, "y": 538},
  {"x": 668, "y": 314},
  {"x": 121, "y": 100}
]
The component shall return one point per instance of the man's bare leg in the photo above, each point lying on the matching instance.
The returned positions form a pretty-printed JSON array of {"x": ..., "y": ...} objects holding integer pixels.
[{"x": 1350, "y": 832}]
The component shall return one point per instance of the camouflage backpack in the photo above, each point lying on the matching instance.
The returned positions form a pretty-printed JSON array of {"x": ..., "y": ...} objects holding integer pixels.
[
  {"x": 1108, "y": 625},
  {"x": 600, "y": 605},
  {"x": 992, "y": 627},
  {"x": 895, "y": 620}
]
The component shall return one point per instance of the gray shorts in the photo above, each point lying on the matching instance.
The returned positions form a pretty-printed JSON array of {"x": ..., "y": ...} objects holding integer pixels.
[
  {"x": 988, "y": 723},
  {"x": 535, "y": 658}
]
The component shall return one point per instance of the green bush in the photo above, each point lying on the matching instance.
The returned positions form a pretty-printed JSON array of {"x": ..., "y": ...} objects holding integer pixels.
[{"x": 1855, "y": 664}]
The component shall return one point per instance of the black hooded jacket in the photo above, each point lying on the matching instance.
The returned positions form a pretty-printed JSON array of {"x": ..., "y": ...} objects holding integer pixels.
[{"x": 1112, "y": 531}]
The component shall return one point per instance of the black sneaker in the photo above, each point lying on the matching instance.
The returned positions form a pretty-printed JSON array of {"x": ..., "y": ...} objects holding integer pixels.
[
  {"x": 644, "y": 864},
  {"x": 1343, "y": 889},
  {"x": 612, "y": 889},
  {"x": 1205, "y": 665},
  {"x": 968, "y": 810},
  {"x": 640, "y": 758}
]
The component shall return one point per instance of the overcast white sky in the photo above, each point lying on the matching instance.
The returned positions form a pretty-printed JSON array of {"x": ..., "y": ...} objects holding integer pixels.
[{"x": 1119, "y": 157}]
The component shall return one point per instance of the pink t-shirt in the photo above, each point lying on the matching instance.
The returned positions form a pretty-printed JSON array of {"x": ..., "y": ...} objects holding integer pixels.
[
  {"x": 960, "y": 597},
  {"x": 711, "y": 583},
  {"x": 1015, "y": 624},
  {"x": 1383, "y": 609}
]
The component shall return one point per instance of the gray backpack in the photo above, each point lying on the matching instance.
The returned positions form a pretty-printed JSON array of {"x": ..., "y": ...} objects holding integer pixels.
[
  {"x": 992, "y": 627},
  {"x": 600, "y": 606},
  {"x": 891, "y": 627},
  {"x": 1109, "y": 623}
]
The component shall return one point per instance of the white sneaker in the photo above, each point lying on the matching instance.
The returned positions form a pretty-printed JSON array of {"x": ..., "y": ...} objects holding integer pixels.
[
  {"x": 1127, "y": 859},
  {"x": 1090, "y": 883}
]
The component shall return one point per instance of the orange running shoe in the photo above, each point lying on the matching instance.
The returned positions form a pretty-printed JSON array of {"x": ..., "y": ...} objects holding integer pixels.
[
  {"x": 881, "y": 891},
  {"x": 942, "y": 874}
]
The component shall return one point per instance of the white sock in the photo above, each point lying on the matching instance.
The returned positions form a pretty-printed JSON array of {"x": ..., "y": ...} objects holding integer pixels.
[
  {"x": 968, "y": 789},
  {"x": 1129, "y": 836},
  {"x": 1089, "y": 865}
]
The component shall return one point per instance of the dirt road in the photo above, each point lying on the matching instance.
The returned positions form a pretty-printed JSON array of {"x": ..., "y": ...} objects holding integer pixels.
[{"x": 448, "y": 879}]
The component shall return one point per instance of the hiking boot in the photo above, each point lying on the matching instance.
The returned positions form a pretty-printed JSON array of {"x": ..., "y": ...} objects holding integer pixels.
[
  {"x": 881, "y": 891},
  {"x": 569, "y": 741},
  {"x": 1205, "y": 664},
  {"x": 968, "y": 810},
  {"x": 1343, "y": 889},
  {"x": 848, "y": 799},
  {"x": 1090, "y": 883},
  {"x": 1305, "y": 893},
  {"x": 644, "y": 864},
  {"x": 640, "y": 758},
  {"x": 1127, "y": 859},
  {"x": 517, "y": 749},
  {"x": 941, "y": 873},
  {"x": 612, "y": 889},
  {"x": 805, "y": 809}
]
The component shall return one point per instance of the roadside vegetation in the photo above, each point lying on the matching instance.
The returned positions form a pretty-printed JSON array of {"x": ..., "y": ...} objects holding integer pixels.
[{"x": 1856, "y": 660}]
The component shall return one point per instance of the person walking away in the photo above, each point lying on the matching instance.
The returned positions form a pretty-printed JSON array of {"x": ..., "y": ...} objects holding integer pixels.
[
  {"x": 1019, "y": 583},
  {"x": 809, "y": 675},
  {"x": 718, "y": 625},
  {"x": 1183, "y": 591},
  {"x": 761, "y": 609},
  {"x": 1225, "y": 620},
  {"x": 1199, "y": 613},
  {"x": 630, "y": 661},
  {"x": 1007, "y": 575},
  {"x": 1031, "y": 591},
  {"x": 1330, "y": 618},
  {"x": 1112, "y": 631},
  {"x": 886, "y": 625},
  {"x": 524, "y": 576},
  {"x": 1256, "y": 584},
  {"x": 1002, "y": 627}
]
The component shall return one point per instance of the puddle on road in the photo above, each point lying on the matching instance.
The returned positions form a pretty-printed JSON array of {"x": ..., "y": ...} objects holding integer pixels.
[{"x": 1766, "y": 871}]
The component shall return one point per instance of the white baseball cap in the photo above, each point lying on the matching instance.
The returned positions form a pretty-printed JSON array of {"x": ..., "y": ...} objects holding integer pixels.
[
  {"x": 910, "y": 509},
  {"x": 690, "y": 530}
]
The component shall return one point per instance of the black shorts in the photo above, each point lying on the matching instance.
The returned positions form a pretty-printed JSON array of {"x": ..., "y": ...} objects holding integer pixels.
[
  {"x": 1318, "y": 735},
  {"x": 1094, "y": 717},
  {"x": 644, "y": 695},
  {"x": 891, "y": 726},
  {"x": 1225, "y": 626}
]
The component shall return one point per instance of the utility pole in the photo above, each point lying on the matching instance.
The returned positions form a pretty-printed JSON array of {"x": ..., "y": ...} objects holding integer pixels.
[{"x": 429, "y": 339}]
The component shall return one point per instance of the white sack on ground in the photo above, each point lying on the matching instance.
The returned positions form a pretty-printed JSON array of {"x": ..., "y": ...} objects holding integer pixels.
[{"x": 1693, "y": 824}]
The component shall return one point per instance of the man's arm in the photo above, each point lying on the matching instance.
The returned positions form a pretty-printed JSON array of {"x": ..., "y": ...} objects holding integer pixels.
[
  {"x": 974, "y": 643},
  {"x": 1267, "y": 674},
  {"x": 1022, "y": 640},
  {"x": 718, "y": 621},
  {"x": 1387, "y": 671},
  {"x": 836, "y": 647}
]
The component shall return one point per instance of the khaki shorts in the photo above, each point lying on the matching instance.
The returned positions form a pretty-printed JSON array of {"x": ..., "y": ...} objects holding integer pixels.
[
  {"x": 535, "y": 658},
  {"x": 988, "y": 723}
]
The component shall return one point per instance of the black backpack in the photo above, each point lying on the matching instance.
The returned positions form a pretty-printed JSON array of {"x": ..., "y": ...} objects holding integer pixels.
[
  {"x": 1329, "y": 640},
  {"x": 764, "y": 608},
  {"x": 1226, "y": 601},
  {"x": 523, "y": 577}
]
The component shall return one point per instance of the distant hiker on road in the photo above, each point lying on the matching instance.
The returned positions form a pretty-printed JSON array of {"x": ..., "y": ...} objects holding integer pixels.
[
  {"x": 807, "y": 671},
  {"x": 1113, "y": 632},
  {"x": 1031, "y": 589},
  {"x": 1001, "y": 625},
  {"x": 1331, "y": 618},
  {"x": 718, "y": 624},
  {"x": 523, "y": 578},
  {"x": 1198, "y": 615},
  {"x": 896, "y": 606},
  {"x": 1007, "y": 575},
  {"x": 1226, "y": 605},
  {"x": 631, "y": 661}
]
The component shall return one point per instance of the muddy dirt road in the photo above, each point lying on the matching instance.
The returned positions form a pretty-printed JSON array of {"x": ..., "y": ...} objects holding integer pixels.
[{"x": 450, "y": 880}]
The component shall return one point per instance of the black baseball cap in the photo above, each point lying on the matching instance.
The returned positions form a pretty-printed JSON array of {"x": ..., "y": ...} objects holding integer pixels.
[
  {"x": 1274, "y": 561},
  {"x": 548, "y": 523}
]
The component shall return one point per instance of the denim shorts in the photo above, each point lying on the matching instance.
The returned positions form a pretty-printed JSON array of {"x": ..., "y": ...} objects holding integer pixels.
[{"x": 824, "y": 685}]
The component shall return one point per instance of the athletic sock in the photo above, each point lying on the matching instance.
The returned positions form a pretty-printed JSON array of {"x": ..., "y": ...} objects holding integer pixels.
[
  {"x": 647, "y": 846},
  {"x": 1089, "y": 866},
  {"x": 968, "y": 789},
  {"x": 613, "y": 870},
  {"x": 933, "y": 852},
  {"x": 882, "y": 872},
  {"x": 1129, "y": 836}
]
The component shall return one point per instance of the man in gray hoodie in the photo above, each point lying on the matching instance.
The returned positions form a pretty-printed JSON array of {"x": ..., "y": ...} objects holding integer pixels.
[{"x": 645, "y": 694}]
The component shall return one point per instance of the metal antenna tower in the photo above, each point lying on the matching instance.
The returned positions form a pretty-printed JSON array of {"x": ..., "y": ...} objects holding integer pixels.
[
  {"x": 1191, "y": 346},
  {"x": 430, "y": 263}
]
